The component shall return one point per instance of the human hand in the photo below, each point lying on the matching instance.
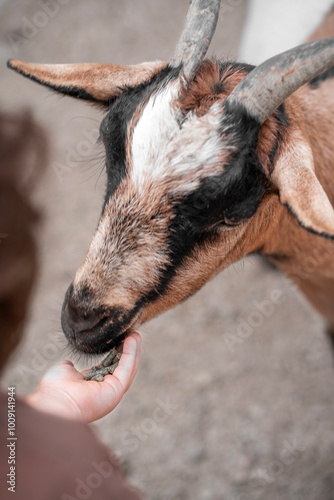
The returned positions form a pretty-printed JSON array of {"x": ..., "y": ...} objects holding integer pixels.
[{"x": 64, "y": 391}]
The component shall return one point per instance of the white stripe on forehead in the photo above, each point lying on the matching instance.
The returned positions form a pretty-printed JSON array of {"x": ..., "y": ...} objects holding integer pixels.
[
  {"x": 161, "y": 149},
  {"x": 156, "y": 127}
]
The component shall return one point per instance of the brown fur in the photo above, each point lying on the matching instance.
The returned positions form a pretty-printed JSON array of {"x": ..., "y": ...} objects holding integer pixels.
[
  {"x": 130, "y": 248},
  {"x": 207, "y": 88},
  {"x": 101, "y": 81},
  {"x": 307, "y": 258},
  {"x": 272, "y": 229},
  {"x": 310, "y": 260}
]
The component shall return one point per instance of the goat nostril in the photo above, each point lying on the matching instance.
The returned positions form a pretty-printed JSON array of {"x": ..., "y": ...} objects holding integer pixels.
[
  {"x": 77, "y": 315},
  {"x": 82, "y": 320}
]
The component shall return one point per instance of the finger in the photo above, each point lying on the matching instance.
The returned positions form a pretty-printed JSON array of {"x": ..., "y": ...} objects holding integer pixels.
[
  {"x": 137, "y": 357},
  {"x": 128, "y": 364},
  {"x": 135, "y": 365},
  {"x": 132, "y": 347}
]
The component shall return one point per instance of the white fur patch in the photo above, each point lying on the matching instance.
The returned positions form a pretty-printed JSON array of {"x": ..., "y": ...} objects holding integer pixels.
[
  {"x": 162, "y": 150},
  {"x": 155, "y": 129}
]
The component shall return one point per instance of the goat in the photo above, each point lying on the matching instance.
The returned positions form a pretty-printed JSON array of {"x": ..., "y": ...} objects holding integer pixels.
[{"x": 207, "y": 161}]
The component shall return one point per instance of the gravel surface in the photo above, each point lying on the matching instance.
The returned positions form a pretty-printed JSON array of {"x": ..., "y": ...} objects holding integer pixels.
[{"x": 204, "y": 420}]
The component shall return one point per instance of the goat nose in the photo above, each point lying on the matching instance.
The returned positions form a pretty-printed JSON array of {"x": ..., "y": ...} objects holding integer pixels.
[
  {"x": 81, "y": 319},
  {"x": 77, "y": 317},
  {"x": 92, "y": 330}
]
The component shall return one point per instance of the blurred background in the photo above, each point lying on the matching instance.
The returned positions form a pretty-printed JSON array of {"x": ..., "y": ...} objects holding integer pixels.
[{"x": 215, "y": 413}]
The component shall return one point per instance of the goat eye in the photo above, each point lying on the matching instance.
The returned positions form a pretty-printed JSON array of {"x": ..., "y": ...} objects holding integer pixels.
[
  {"x": 229, "y": 223},
  {"x": 222, "y": 224}
]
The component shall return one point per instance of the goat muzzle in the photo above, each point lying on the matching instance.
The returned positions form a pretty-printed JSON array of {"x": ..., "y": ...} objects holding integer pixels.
[{"x": 92, "y": 330}]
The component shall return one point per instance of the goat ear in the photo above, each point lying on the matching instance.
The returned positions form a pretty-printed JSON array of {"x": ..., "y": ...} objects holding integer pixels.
[
  {"x": 300, "y": 190},
  {"x": 94, "y": 82}
]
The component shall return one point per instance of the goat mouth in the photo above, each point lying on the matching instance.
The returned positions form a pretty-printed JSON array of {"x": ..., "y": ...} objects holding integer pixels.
[{"x": 101, "y": 338}]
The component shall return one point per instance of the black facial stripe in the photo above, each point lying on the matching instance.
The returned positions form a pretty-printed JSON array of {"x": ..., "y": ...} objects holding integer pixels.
[
  {"x": 114, "y": 125},
  {"x": 235, "y": 194},
  {"x": 116, "y": 332},
  {"x": 315, "y": 82}
]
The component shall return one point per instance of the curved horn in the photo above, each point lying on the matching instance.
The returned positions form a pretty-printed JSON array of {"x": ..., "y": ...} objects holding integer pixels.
[
  {"x": 196, "y": 36},
  {"x": 270, "y": 83}
]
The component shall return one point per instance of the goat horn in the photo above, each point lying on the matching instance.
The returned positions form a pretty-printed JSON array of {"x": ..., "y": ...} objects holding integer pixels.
[
  {"x": 270, "y": 83},
  {"x": 196, "y": 36}
]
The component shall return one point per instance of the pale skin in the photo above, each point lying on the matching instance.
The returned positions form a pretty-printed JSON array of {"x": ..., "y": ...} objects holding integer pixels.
[{"x": 64, "y": 392}]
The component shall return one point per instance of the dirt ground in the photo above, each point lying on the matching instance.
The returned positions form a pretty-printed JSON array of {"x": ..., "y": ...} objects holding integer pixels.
[{"x": 204, "y": 419}]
